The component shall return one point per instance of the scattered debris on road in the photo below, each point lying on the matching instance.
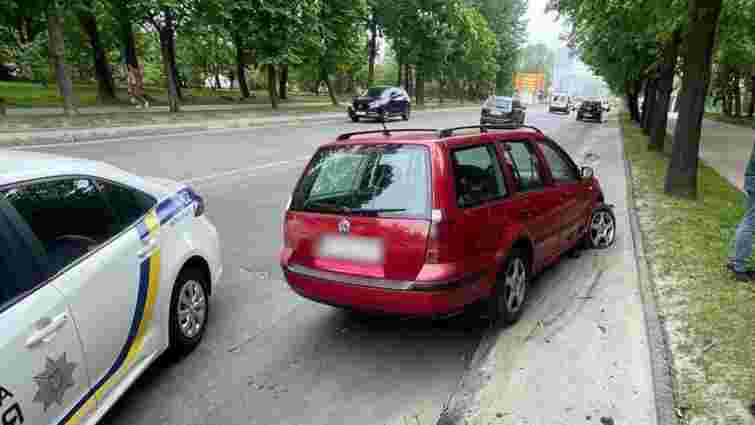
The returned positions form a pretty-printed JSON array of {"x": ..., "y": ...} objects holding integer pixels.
[
  {"x": 602, "y": 328},
  {"x": 606, "y": 420}
]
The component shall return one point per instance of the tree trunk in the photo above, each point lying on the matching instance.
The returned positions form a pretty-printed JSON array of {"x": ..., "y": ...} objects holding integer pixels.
[
  {"x": 241, "y": 70},
  {"x": 372, "y": 51},
  {"x": 271, "y": 86},
  {"x": 645, "y": 101},
  {"x": 400, "y": 67},
  {"x": 722, "y": 86},
  {"x": 631, "y": 94},
  {"x": 751, "y": 109},
  {"x": 126, "y": 33},
  {"x": 681, "y": 177},
  {"x": 441, "y": 83},
  {"x": 410, "y": 80},
  {"x": 325, "y": 77},
  {"x": 737, "y": 93},
  {"x": 103, "y": 73},
  {"x": 217, "y": 77},
  {"x": 500, "y": 83},
  {"x": 170, "y": 23},
  {"x": 648, "y": 105},
  {"x": 165, "y": 33},
  {"x": 55, "y": 25},
  {"x": 283, "y": 82},
  {"x": 665, "y": 87},
  {"x": 420, "y": 89}
]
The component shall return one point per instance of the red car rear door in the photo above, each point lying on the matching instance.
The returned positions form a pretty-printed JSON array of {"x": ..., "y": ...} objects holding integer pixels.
[{"x": 478, "y": 186}]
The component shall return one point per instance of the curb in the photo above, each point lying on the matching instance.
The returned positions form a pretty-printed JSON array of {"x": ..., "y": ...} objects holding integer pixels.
[
  {"x": 461, "y": 401},
  {"x": 658, "y": 347},
  {"x": 51, "y": 136}
]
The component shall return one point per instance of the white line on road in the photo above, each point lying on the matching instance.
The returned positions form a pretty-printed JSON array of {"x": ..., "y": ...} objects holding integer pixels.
[{"x": 242, "y": 170}]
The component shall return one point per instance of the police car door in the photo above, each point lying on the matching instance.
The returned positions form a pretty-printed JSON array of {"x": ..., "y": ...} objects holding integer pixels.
[{"x": 42, "y": 370}]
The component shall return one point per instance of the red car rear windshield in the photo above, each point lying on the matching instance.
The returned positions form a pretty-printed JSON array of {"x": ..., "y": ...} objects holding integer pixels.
[{"x": 390, "y": 180}]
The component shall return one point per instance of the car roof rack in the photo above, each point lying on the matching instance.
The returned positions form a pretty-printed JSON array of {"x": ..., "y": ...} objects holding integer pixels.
[
  {"x": 386, "y": 132},
  {"x": 448, "y": 132}
]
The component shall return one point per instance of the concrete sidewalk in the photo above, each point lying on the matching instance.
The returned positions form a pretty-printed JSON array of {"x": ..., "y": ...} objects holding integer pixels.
[{"x": 725, "y": 147}]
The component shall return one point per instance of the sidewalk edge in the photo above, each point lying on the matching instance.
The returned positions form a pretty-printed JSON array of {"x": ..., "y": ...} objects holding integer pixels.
[
  {"x": 658, "y": 347},
  {"x": 73, "y": 136},
  {"x": 479, "y": 371}
]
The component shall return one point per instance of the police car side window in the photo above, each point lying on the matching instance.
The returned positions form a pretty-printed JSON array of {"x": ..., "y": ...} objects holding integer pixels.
[
  {"x": 69, "y": 216},
  {"x": 19, "y": 268},
  {"x": 129, "y": 204}
]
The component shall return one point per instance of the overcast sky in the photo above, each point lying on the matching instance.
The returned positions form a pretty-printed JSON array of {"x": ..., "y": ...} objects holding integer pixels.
[{"x": 541, "y": 27}]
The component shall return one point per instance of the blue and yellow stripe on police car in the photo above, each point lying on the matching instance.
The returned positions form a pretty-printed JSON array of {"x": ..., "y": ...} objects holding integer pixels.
[
  {"x": 148, "y": 224},
  {"x": 149, "y": 276}
]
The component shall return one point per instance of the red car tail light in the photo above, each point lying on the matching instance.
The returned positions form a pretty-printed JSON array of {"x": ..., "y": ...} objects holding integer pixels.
[{"x": 439, "y": 240}]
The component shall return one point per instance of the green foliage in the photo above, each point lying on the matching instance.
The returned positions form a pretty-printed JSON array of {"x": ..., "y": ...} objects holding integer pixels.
[
  {"x": 33, "y": 59},
  {"x": 506, "y": 20},
  {"x": 449, "y": 40}
]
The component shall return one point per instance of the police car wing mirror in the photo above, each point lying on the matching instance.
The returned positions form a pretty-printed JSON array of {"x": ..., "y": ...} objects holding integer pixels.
[{"x": 587, "y": 173}]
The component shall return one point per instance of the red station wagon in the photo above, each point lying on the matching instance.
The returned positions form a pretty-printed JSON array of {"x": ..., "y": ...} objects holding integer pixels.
[{"x": 428, "y": 222}]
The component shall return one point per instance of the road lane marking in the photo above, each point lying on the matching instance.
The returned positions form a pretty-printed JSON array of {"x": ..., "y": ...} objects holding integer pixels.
[{"x": 242, "y": 170}]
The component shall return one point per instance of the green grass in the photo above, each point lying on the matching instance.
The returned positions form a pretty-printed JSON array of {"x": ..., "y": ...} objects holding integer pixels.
[
  {"x": 26, "y": 95},
  {"x": 742, "y": 121},
  {"x": 687, "y": 243}
]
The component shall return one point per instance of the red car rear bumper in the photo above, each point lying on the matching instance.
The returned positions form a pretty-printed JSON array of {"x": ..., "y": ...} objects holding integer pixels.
[{"x": 408, "y": 302}]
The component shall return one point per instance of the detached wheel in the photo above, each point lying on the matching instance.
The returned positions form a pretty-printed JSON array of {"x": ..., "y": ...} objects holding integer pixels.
[
  {"x": 407, "y": 114},
  {"x": 189, "y": 309},
  {"x": 601, "y": 232},
  {"x": 510, "y": 291},
  {"x": 354, "y": 118}
]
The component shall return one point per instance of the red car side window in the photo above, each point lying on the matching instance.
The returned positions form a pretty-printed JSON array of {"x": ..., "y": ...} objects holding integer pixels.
[
  {"x": 525, "y": 165},
  {"x": 562, "y": 169}
]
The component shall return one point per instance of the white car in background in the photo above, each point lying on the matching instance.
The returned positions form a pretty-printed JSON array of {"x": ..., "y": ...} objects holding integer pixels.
[
  {"x": 560, "y": 102},
  {"x": 101, "y": 271}
]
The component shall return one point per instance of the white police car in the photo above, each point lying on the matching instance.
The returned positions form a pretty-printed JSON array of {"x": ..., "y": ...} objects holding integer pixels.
[{"x": 101, "y": 271}]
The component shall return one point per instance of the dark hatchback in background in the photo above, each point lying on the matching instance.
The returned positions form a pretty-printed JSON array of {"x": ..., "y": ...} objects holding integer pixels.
[
  {"x": 498, "y": 110},
  {"x": 380, "y": 103},
  {"x": 590, "y": 109}
]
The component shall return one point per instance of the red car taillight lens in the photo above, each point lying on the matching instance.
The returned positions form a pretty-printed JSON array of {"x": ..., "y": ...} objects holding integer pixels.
[{"x": 439, "y": 240}]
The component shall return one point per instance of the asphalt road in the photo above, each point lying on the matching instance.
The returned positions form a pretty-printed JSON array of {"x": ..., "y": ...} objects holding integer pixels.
[{"x": 270, "y": 357}]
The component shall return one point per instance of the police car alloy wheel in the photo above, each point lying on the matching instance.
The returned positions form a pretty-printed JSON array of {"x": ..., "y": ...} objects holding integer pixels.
[{"x": 189, "y": 309}]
